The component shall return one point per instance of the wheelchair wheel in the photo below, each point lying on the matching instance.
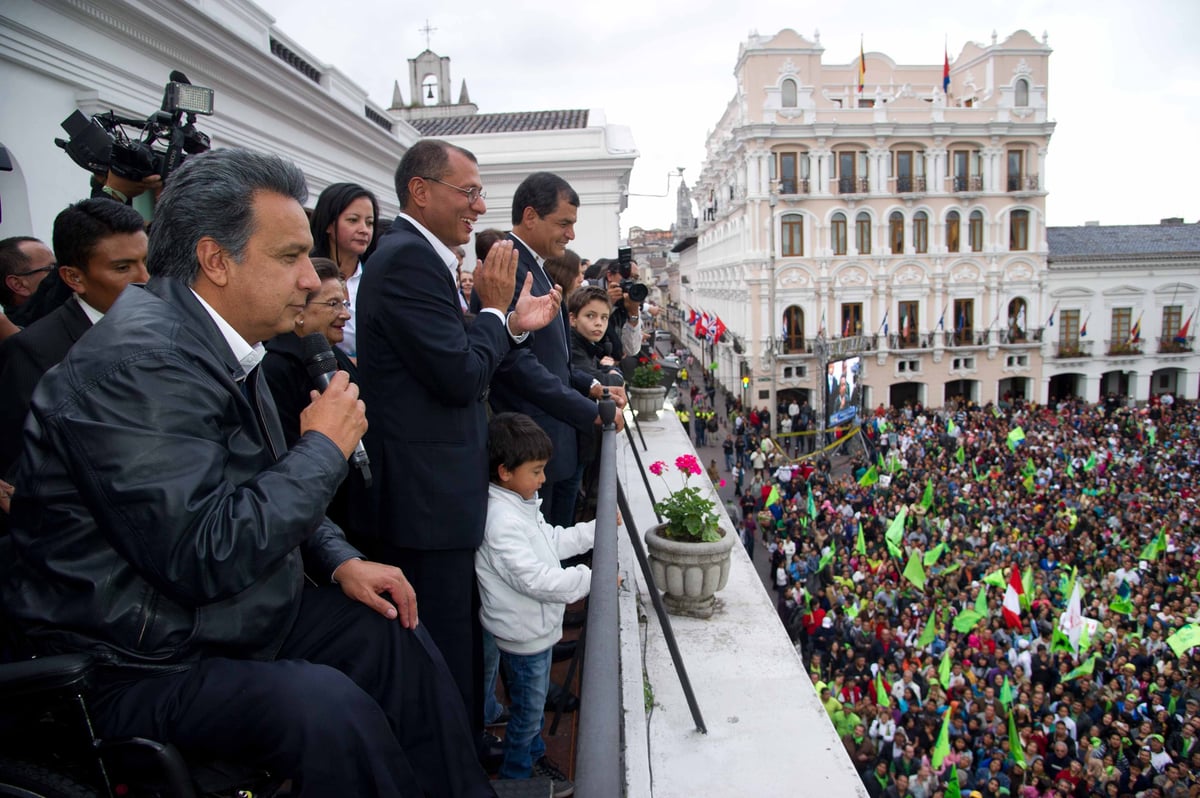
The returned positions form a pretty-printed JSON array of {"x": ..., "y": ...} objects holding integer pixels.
[{"x": 19, "y": 779}]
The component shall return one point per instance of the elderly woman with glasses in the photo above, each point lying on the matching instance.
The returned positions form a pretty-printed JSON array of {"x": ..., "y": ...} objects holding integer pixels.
[{"x": 326, "y": 311}]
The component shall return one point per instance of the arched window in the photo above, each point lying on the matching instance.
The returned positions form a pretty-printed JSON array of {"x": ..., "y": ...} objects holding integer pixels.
[
  {"x": 976, "y": 231},
  {"x": 1017, "y": 319},
  {"x": 1021, "y": 93},
  {"x": 791, "y": 234},
  {"x": 862, "y": 233},
  {"x": 793, "y": 329},
  {"x": 838, "y": 233},
  {"x": 921, "y": 232},
  {"x": 1018, "y": 230},
  {"x": 952, "y": 226},
  {"x": 896, "y": 232},
  {"x": 789, "y": 93}
]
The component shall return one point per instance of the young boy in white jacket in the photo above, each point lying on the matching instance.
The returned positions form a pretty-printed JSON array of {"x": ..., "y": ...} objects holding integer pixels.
[{"x": 522, "y": 588}]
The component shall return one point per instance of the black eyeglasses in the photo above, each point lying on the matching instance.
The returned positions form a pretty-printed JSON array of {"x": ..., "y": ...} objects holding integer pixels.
[
  {"x": 333, "y": 304},
  {"x": 472, "y": 193},
  {"x": 41, "y": 270}
]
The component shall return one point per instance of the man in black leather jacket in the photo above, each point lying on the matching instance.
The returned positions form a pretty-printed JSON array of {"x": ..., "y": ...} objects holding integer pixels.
[{"x": 162, "y": 524}]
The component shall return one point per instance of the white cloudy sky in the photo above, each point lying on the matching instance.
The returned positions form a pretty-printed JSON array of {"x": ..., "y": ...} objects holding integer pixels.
[{"x": 1124, "y": 76}]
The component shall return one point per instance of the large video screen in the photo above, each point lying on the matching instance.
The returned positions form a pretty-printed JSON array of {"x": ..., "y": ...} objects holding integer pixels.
[{"x": 843, "y": 392}]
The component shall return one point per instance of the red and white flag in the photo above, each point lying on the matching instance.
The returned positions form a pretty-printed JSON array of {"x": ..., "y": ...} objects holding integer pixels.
[{"x": 1012, "y": 600}]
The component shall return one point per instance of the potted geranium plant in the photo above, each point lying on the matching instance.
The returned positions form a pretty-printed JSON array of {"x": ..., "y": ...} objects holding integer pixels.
[
  {"x": 645, "y": 388},
  {"x": 688, "y": 551}
]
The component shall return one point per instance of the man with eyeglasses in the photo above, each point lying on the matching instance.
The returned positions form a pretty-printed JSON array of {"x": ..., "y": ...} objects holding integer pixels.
[
  {"x": 424, "y": 375},
  {"x": 24, "y": 263}
]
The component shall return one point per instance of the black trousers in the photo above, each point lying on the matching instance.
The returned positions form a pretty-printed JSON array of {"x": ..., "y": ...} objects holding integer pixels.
[
  {"x": 354, "y": 705},
  {"x": 448, "y": 604}
]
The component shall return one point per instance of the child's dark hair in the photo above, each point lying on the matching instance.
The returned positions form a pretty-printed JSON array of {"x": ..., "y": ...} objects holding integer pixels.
[
  {"x": 585, "y": 294},
  {"x": 515, "y": 439}
]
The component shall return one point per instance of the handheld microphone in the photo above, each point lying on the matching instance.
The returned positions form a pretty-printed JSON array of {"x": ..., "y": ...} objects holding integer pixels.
[{"x": 321, "y": 364}]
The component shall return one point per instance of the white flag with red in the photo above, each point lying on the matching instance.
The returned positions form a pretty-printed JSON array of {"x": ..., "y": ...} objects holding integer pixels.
[{"x": 1012, "y": 600}]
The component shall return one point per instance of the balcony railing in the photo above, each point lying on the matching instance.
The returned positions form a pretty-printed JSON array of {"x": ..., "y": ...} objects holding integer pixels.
[
  {"x": 1169, "y": 344},
  {"x": 790, "y": 185},
  {"x": 911, "y": 341},
  {"x": 1013, "y": 336},
  {"x": 972, "y": 183},
  {"x": 854, "y": 185},
  {"x": 910, "y": 185},
  {"x": 1073, "y": 349},
  {"x": 1123, "y": 346},
  {"x": 969, "y": 338},
  {"x": 1022, "y": 182}
]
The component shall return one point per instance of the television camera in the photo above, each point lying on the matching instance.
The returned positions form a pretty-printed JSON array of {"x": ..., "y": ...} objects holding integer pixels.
[{"x": 104, "y": 143}]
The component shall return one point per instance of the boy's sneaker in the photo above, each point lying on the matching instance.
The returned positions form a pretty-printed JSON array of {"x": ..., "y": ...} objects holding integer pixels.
[{"x": 563, "y": 787}]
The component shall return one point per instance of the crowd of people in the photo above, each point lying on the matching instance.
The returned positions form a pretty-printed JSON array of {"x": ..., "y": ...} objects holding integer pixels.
[
  {"x": 995, "y": 600},
  {"x": 161, "y": 435}
]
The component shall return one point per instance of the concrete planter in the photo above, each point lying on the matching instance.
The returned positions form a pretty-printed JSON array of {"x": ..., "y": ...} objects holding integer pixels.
[
  {"x": 689, "y": 574},
  {"x": 646, "y": 402}
]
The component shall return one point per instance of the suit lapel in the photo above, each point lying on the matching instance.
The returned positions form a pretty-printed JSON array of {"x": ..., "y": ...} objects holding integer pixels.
[{"x": 542, "y": 286}]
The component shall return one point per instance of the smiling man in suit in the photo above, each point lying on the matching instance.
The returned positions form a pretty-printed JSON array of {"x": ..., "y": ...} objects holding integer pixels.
[
  {"x": 100, "y": 246},
  {"x": 424, "y": 374},
  {"x": 538, "y": 380}
]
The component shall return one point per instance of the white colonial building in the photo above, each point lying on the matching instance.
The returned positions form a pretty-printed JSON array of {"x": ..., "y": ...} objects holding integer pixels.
[{"x": 893, "y": 220}]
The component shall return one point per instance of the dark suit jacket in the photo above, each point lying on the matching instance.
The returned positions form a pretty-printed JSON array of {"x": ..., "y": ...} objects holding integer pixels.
[
  {"x": 538, "y": 381},
  {"x": 24, "y": 358},
  {"x": 424, "y": 377}
]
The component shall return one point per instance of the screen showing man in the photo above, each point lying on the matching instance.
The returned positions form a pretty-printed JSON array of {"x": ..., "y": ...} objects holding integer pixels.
[{"x": 842, "y": 391}]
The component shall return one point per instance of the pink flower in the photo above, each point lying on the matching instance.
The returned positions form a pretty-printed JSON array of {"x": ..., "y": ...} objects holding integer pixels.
[
  {"x": 657, "y": 468},
  {"x": 721, "y": 484},
  {"x": 688, "y": 464}
]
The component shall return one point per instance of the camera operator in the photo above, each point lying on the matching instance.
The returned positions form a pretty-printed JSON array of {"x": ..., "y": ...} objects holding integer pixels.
[{"x": 627, "y": 295}]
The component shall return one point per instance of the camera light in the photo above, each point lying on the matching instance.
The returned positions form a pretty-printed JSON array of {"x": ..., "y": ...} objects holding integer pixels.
[{"x": 188, "y": 98}]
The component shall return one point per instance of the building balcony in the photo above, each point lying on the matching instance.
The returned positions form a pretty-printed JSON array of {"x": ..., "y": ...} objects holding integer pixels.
[
  {"x": 1073, "y": 349},
  {"x": 911, "y": 341},
  {"x": 966, "y": 184},
  {"x": 793, "y": 186},
  {"x": 1174, "y": 345},
  {"x": 1123, "y": 347},
  {"x": 908, "y": 185},
  {"x": 1017, "y": 337},
  {"x": 968, "y": 337},
  {"x": 854, "y": 185},
  {"x": 1023, "y": 183}
]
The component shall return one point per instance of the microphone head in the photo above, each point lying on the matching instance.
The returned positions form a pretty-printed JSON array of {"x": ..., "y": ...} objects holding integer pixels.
[{"x": 318, "y": 357}]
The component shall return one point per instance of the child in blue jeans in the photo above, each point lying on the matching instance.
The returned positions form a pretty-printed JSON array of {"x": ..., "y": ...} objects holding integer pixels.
[{"x": 523, "y": 589}]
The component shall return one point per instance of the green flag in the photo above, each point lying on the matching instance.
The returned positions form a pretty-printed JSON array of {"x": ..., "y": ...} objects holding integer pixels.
[
  {"x": 914, "y": 571},
  {"x": 1014, "y": 741},
  {"x": 894, "y": 550},
  {"x": 812, "y": 505},
  {"x": 1090, "y": 463},
  {"x": 965, "y": 621},
  {"x": 996, "y": 578},
  {"x": 927, "y": 499},
  {"x": 861, "y": 545},
  {"x": 952, "y": 788},
  {"x": 1122, "y": 605},
  {"x": 928, "y": 634},
  {"x": 1006, "y": 694},
  {"x": 852, "y": 611},
  {"x": 882, "y": 426},
  {"x": 934, "y": 554},
  {"x": 1029, "y": 468},
  {"x": 1027, "y": 583},
  {"x": 1185, "y": 639},
  {"x": 1152, "y": 433},
  {"x": 1015, "y": 437},
  {"x": 981, "y": 602},
  {"x": 941, "y": 749},
  {"x": 960, "y": 455},
  {"x": 773, "y": 496},
  {"x": 1028, "y": 483},
  {"x": 869, "y": 478},
  {"x": 950, "y": 426},
  {"x": 827, "y": 557},
  {"x": 976, "y": 474},
  {"x": 881, "y": 694},
  {"x": 895, "y": 530},
  {"x": 944, "y": 669},
  {"x": 1083, "y": 670}
]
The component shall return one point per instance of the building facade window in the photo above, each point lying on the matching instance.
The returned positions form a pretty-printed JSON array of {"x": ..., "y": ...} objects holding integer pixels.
[
  {"x": 852, "y": 315},
  {"x": 1016, "y": 169},
  {"x": 789, "y": 93},
  {"x": 1122, "y": 322},
  {"x": 862, "y": 233},
  {"x": 793, "y": 329},
  {"x": 853, "y": 174},
  {"x": 910, "y": 313},
  {"x": 908, "y": 171},
  {"x": 837, "y": 233},
  {"x": 1068, "y": 332},
  {"x": 1018, "y": 319},
  {"x": 921, "y": 232},
  {"x": 791, "y": 172},
  {"x": 1172, "y": 321},
  {"x": 1018, "y": 231},
  {"x": 964, "y": 320},
  {"x": 791, "y": 235},
  {"x": 976, "y": 231},
  {"x": 968, "y": 170},
  {"x": 896, "y": 232},
  {"x": 1021, "y": 93},
  {"x": 952, "y": 231}
]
